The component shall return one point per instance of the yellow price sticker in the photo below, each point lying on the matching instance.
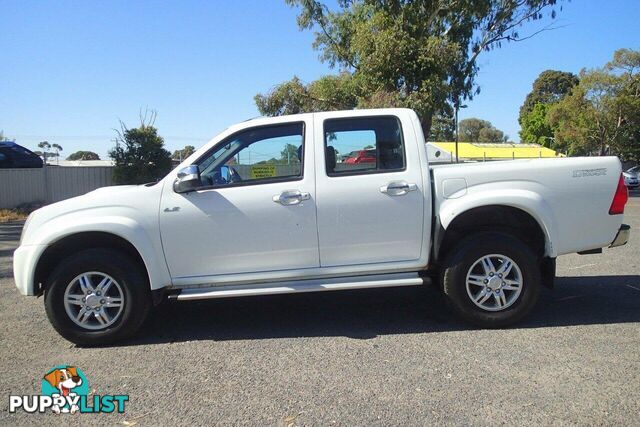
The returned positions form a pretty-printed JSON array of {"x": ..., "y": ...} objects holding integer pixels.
[{"x": 263, "y": 171}]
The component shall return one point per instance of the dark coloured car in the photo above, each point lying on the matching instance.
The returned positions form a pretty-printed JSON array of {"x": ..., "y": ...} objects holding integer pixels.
[{"x": 13, "y": 155}]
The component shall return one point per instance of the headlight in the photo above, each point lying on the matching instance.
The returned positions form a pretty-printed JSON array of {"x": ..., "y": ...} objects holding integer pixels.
[{"x": 24, "y": 228}]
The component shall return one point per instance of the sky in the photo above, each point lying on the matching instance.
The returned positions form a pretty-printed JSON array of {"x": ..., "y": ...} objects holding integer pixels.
[{"x": 71, "y": 70}]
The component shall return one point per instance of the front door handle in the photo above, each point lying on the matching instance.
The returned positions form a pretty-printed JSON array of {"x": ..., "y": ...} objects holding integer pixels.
[
  {"x": 398, "y": 188},
  {"x": 291, "y": 197}
]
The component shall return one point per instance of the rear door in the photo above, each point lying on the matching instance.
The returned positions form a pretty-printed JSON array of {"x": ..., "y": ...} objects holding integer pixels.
[{"x": 371, "y": 211}]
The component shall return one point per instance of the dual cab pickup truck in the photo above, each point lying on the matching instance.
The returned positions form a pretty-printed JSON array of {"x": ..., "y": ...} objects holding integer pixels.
[{"x": 265, "y": 208}]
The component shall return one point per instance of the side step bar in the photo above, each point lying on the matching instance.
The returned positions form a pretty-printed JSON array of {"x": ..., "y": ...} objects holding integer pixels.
[{"x": 292, "y": 287}]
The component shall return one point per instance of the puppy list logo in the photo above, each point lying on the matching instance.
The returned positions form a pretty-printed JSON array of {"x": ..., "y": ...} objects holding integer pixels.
[{"x": 65, "y": 390}]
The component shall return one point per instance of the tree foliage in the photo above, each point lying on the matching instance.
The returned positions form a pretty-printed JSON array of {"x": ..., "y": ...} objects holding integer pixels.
[
  {"x": 45, "y": 147},
  {"x": 293, "y": 97},
  {"x": 139, "y": 154},
  {"x": 535, "y": 127},
  {"x": 419, "y": 54},
  {"x": 57, "y": 148},
  {"x": 601, "y": 115},
  {"x": 289, "y": 154},
  {"x": 477, "y": 130},
  {"x": 548, "y": 88},
  {"x": 184, "y": 153},
  {"x": 443, "y": 127},
  {"x": 83, "y": 155}
]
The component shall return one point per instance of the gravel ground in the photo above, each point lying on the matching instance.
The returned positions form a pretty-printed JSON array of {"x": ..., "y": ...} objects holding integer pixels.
[{"x": 381, "y": 357}]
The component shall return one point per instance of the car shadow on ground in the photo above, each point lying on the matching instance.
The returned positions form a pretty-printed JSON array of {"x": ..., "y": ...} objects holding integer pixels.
[{"x": 365, "y": 314}]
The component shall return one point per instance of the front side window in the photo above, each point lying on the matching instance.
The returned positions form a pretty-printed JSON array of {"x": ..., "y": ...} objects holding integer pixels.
[
  {"x": 253, "y": 156},
  {"x": 363, "y": 145}
]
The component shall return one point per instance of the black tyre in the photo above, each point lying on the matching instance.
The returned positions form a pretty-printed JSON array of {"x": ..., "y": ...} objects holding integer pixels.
[
  {"x": 97, "y": 296},
  {"x": 491, "y": 279}
]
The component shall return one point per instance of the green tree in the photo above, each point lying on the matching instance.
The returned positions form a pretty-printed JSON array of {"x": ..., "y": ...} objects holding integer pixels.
[
  {"x": 289, "y": 155},
  {"x": 45, "y": 147},
  {"x": 626, "y": 64},
  {"x": 2, "y": 137},
  {"x": 399, "y": 53},
  {"x": 57, "y": 149},
  {"x": 293, "y": 97},
  {"x": 443, "y": 127},
  {"x": 601, "y": 115},
  {"x": 184, "y": 153},
  {"x": 535, "y": 127},
  {"x": 477, "y": 130},
  {"x": 548, "y": 88},
  {"x": 491, "y": 134},
  {"x": 139, "y": 154},
  {"x": 83, "y": 155}
]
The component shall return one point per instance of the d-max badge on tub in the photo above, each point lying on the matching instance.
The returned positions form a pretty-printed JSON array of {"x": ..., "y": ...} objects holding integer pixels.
[{"x": 589, "y": 172}]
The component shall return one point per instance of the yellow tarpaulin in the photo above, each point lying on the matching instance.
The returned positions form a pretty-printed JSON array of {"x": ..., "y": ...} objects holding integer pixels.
[{"x": 498, "y": 151}]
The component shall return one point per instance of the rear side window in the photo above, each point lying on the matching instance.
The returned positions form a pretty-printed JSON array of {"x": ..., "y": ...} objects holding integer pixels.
[{"x": 363, "y": 145}]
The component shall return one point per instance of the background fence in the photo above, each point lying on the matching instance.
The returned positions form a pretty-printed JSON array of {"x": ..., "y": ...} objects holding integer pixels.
[{"x": 50, "y": 184}]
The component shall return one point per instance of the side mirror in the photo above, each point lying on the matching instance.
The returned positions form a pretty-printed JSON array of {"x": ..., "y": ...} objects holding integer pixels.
[
  {"x": 188, "y": 179},
  {"x": 225, "y": 175}
]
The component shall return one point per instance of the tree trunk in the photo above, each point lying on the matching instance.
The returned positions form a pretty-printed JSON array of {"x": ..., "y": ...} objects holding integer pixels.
[
  {"x": 603, "y": 147},
  {"x": 425, "y": 122}
]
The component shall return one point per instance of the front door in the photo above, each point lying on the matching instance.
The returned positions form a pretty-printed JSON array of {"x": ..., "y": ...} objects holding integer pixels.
[
  {"x": 254, "y": 212},
  {"x": 369, "y": 191}
]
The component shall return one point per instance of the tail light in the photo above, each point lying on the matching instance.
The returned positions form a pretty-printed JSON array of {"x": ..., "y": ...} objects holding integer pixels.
[{"x": 619, "y": 199}]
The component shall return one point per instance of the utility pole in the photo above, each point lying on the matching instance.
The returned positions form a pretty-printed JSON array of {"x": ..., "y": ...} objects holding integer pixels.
[{"x": 457, "y": 107}]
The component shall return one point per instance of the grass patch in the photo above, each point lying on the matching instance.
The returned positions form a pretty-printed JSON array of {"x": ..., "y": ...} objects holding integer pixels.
[{"x": 7, "y": 215}]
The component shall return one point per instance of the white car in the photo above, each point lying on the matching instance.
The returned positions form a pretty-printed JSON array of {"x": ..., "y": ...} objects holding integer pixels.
[
  {"x": 630, "y": 179},
  {"x": 265, "y": 208}
]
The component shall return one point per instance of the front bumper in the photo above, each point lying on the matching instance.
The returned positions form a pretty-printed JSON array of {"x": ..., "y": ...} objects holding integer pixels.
[
  {"x": 24, "y": 264},
  {"x": 622, "y": 237}
]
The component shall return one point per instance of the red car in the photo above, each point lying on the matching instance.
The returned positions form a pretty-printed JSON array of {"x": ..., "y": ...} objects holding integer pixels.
[{"x": 362, "y": 156}]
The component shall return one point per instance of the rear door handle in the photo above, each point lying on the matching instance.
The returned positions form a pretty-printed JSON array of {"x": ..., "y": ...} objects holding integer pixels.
[
  {"x": 291, "y": 197},
  {"x": 398, "y": 188}
]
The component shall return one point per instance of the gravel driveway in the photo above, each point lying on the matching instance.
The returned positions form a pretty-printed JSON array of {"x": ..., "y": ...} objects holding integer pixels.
[{"x": 365, "y": 357}]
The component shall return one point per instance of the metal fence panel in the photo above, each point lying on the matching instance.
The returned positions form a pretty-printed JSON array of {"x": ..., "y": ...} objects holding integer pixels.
[{"x": 50, "y": 184}]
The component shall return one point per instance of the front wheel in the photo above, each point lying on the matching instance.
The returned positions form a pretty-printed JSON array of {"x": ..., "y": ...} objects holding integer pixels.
[
  {"x": 491, "y": 279},
  {"x": 96, "y": 297}
]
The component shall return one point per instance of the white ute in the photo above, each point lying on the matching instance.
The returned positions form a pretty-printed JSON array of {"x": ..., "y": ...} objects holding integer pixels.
[{"x": 315, "y": 202}]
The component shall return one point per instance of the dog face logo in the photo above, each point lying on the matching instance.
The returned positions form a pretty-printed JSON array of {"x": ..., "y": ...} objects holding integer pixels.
[
  {"x": 64, "y": 379},
  {"x": 65, "y": 390}
]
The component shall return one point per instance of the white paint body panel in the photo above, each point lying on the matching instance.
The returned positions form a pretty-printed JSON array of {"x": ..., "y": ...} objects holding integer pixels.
[
  {"x": 357, "y": 223},
  {"x": 130, "y": 212},
  {"x": 572, "y": 211},
  {"x": 239, "y": 230},
  {"x": 236, "y": 236}
]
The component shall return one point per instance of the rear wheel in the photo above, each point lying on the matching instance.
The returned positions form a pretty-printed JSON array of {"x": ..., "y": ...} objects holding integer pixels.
[
  {"x": 97, "y": 296},
  {"x": 491, "y": 279}
]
